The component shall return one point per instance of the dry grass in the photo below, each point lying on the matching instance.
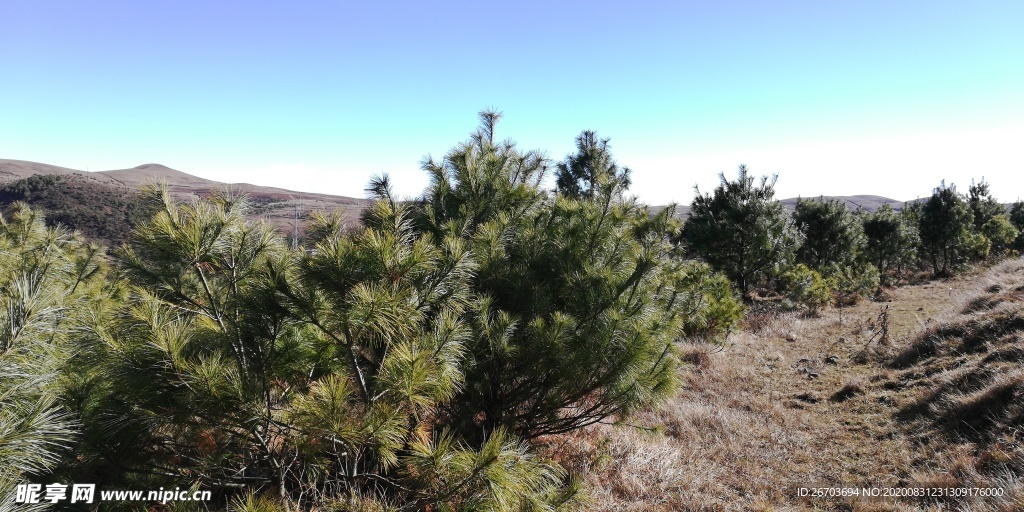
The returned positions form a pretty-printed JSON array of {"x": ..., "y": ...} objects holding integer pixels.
[{"x": 826, "y": 401}]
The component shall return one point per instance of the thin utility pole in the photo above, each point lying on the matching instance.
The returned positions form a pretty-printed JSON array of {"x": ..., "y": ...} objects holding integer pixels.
[{"x": 295, "y": 225}]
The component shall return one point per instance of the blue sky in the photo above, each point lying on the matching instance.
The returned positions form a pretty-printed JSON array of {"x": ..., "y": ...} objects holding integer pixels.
[{"x": 836, "y": 97}]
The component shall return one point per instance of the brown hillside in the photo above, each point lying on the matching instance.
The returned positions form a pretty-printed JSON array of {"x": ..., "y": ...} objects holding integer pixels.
[
  {"x": 101, "y": 211},
  {"x": 278, "y": 206},
  {"x": 153, "y": 173}
]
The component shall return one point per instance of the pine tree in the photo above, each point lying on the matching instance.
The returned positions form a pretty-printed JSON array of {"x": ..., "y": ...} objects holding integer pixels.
[
  {"x": 47, "y": 278},
  {"x": 394, "y": 306},
  {"x": 945, "y": 224},
  {"x": 1000, "y": 232},
  {"x": 892, "y": 241},
  {"x": 983, "y": 206},
  {"x": 1017, "y": 219},
  {"x": 591, "y": 171},
  {"x": 1017, "y": 215},
  {"x": 187, "y": 378},
  {"x": 741, "y": 230},
  {"x": 580, "y": 280},
  {"x": 318, "y": 374},
  {"x": 832, "y": 235}
]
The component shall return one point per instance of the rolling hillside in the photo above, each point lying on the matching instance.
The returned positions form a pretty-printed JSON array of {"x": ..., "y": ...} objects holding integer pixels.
[
  {"x": 100, "y": 203},
  {"x": 84, "y": 192}
]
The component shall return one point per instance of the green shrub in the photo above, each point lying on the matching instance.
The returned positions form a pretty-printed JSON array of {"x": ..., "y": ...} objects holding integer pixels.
[
  {"x": 807, "y": 288},
  {"x": 1000, "y": 232},
  {"x": 976, "y": 246},
  {"x": 852, "y": 282},
  {"x": 707, "y": 303}
]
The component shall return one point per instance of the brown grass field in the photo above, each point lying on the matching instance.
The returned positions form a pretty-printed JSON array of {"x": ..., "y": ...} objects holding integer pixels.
[{"x": 929, "y": 396}]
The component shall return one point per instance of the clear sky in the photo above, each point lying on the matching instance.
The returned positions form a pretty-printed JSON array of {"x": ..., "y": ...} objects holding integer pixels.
[{"x": 866, "y": 97}]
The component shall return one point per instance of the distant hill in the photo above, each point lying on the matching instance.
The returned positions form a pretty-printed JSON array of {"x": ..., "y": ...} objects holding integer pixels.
[
  {"x": 867, "y": 202},
  {"x": 100, "y": 204}
]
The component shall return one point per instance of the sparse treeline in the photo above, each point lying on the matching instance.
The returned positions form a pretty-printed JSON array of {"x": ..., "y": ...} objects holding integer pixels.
[
  {"x": 824, "y": 252},
  {"x": 416, "y": 361},
  {"x": 424, "y": 358}
]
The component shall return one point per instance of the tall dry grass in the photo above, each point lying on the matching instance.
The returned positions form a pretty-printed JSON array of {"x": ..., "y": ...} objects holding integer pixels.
[{"x": 787, "y": 402}]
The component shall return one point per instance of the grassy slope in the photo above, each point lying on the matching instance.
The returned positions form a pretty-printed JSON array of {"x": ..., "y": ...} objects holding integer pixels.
[{"x": 794, "y": 400}]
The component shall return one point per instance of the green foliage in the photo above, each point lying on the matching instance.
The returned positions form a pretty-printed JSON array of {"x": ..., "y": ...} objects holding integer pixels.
[
  {"x": 394, "y": 306},
  {"x": 806, "y": 287},
  {"x": 945, "y": 225},
  {"x": 591, "y": 171},
  {"x": 1017, "y": 215},
  {"x": 891, "y": 241},
  {"x": 47, "y": 276},
  {"x": 1017, "y": 218},
  {"x": 582, "y": 281},
  {"x": 317, "y": 375},
  {"x": 832, "y": 235},
  {"x": 188, "y": 375},
  {"x": 835, "y": 246},
  {"x": 854, "y": 281},
  {"x": 501, "y": 475},
  {"x": 741, "y": 231},
  {"x": 983, "y": 206},
  {"x": 478, "y": 181},
  {"x": 1000, "y": 232},
  {"x": 990, "y": 221},
  {"x": 976, "y": 246},
  {"x": 32, "y": 186},
  {"x": 706, "y": 302},
  {"x": 252, "y": 502}
]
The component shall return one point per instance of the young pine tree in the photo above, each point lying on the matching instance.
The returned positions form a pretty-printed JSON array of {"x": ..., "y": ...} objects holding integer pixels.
[
  {"x": 741, "y": 230},
  {"x": 891, "y": 242},
  {"x": 984, "y": 206},
  {"x": 591, "y": 171},
  {"x": 945, "y": 224},
  {"x": 832, "y": 235},
  {"x": 185, "y": 380},
  {"x": 395, "y": 308},
  {"x": 581, "y": 280},
  {"x": 1000, "y": 232},
  {"x": 317, "y": 377}
]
